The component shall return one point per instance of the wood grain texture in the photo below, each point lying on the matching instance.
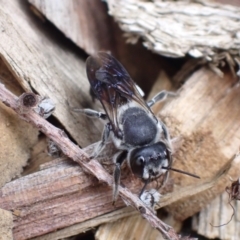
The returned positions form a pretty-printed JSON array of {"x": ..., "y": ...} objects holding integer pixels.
[
  {"x": 206, "y": 117},
  {"x": 131, "y": 228},
  {"x": 89, "y": 26},
  {"x": 39, "y": 155},
  {"x": 218, "y": 219},
  {"x": 6, "y": 225},
  {"x": 177, "y": 28},
  {"x": 41, "y": 62},
  {"x": 87, "y": 225},
  {"x": 85, "y": 22},
  {"x": 59, "y": 195},
  {"x": 17, "y": 137},
  {"x": 216, "y": 213}
]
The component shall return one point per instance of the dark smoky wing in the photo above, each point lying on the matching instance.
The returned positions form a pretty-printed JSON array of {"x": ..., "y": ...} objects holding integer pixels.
[
  {"x": 102, "y": 90},
  {"x": 112, "y": 84}
]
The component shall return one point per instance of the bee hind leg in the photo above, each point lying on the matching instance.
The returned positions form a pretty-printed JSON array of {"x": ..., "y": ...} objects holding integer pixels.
[
  {"x": 161, "y": 96},
  {"x": 101, "y": 145},
  {"x": 119, "y": 159}
]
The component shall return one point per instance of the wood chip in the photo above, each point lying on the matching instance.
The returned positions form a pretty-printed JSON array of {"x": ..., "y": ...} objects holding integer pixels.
[
  {"x": 17, "y": 137},
  {"x": 85, "y": 23},
  {"x": 174, "y": 29},
  {"x": 40, "y": 62},
  {"x": 6, "y": 225},
  {"x": 134, "y": 227}
]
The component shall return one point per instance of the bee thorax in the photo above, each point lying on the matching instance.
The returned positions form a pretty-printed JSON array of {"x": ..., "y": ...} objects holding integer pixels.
[{"x": 139, "y": 128}]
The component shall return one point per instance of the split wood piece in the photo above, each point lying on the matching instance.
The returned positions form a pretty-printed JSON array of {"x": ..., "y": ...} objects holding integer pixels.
[
  {"x": 209, "y": 221},
  {"x": 134, "y": 227},
  {"x": 206, "y": 118},
  {"x": 88, "y": 20},
  {"x": 21, "y": 202},
  {"x": 40, "y": 62},
  {"x": 162, "y": 83},
  {"x": 98, "y": 201},
  {"x": 178, "y": 28},
  {"x": 75, "y": 229},
  {"x": 17, "y": 137},
  {"x": 218, "y": 212},
  {"x": 6, "y": 225},
  {"x": 39, "y": 156},
  {"x": 92, "y": 29}
]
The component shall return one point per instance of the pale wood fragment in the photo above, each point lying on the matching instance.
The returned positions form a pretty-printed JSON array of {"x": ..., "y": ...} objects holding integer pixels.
[
  {"x": 17, "y": 137},
  {"x": 176, "y": 28},
  {"x": 162, "y": 83},
  {"x": 41, "y": 62},
  {"x": 130, "y": 228},
  {"x": 85, "y": 22},
  {"x": 206, "y": 116},
  {"x": 208, "y": 222},
  {"x": 6, "y": 225},
  {"x": 89, "y": 26},
  {"x": 39, "y": 156}
]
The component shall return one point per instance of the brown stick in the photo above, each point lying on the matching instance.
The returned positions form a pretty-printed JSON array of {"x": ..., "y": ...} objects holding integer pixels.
[{"x": 74, "y": 152}]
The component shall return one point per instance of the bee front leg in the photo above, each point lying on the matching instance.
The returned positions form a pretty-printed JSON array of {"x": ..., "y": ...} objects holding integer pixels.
[
  {"x": 161, "y": 96},
  {"x": 119, "y": 159},
  {"x": 101, "y": 145}
]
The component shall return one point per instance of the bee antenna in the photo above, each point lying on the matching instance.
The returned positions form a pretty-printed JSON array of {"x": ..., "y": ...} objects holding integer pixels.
[{"x": 180, "y": 171}]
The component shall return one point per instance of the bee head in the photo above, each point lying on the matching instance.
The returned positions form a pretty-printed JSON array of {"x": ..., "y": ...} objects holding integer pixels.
[{"x": 147, "y": 162}]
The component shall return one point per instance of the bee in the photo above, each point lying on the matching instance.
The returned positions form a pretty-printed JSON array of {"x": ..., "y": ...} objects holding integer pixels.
[{"x": 140, "y": 137}]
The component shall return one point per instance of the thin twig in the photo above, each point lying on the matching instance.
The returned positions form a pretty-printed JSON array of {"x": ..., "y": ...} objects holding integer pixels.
[{"x": 93, "y": 167}]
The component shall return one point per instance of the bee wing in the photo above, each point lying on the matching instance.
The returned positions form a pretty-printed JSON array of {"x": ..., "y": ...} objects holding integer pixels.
[{"x": 112, "y": 85}]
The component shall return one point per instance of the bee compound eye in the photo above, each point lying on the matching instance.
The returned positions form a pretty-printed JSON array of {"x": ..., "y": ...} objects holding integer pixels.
[
  {"x": 140, "y": 161},
  {"x": 137, "y": 165}
]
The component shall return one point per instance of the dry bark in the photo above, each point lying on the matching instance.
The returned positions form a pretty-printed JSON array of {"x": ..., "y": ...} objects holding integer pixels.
[
  {"x": 174, "y": 29},
  {"x": 205, "y": 30}
]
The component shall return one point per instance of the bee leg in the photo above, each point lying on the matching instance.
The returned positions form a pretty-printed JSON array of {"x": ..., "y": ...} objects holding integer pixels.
[
  {"x": 151, "y": 198},
  {"x": 165, "y": 131},
  {"x": 167, "y": 136},
  {"x": 161, "y": 96},
  {"x": 101, "y": 145},
  {"x": 90, "y": 113},
  {"x": 119, "y": 159}
]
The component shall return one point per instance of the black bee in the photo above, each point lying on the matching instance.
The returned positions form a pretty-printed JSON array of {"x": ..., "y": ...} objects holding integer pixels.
[{"x": 139, "y": 136}]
